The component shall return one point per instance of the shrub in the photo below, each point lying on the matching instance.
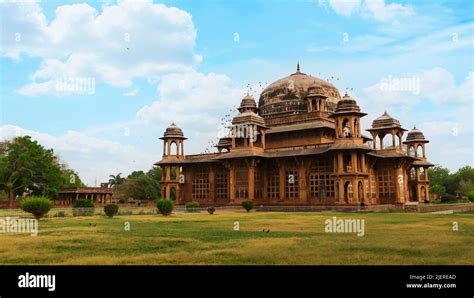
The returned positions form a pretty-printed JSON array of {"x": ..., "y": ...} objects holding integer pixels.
[
  {"x": 248, "y": 205},
  {"x": 192, "y": 206},
  {"x": 165, "y": 207},
  {"x": 83, "y": 208},
  {"x": 447, "y": 198},
  {"x": 111, "y": 209},
  {"x": 470, "y": 195},
  {"x": 211, "y": 210},
  {"x": 38, "y": 206}
]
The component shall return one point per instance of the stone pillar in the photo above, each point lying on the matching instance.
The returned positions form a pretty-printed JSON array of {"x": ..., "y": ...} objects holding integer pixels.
[
  {"x": 232, "y": 183},
  {"x": 164, "y": 148},
  {"x": 354, "y": 162},
  {"x": 212, "y": 185},
  {"x": 282, "y": 180},
  {"x": 381, "y": 142},
  {"x": 265, "y": 183},
  {"x": 362, "y": 163},
  {"x": 302, "y": 189},
  {"x": 355, "y": 190},
  {"x": 262, "y": 131},
  {"x": 251, "y": 174},
  {"x": 341, "y": 191},
  {"x": 251, "y": 137},
  {"x": 340, "y": 163},
  {"x": 400, "y": 185}
]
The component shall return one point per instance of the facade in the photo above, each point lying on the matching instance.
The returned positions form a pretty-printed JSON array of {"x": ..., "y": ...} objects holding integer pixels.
[
  {"x": 302, "y": 145},
  {"x": 99, "y": 195}
]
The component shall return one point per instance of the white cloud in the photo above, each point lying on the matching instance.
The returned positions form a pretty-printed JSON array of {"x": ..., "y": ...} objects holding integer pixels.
[
  {"x": 132, "y": 39},
  {"x": 192, "y": 98},
  {"x": 132, "y": 93},
  {"x": 345, "y": 7},
  {"x": 94, "y": 158},
  {"x": 380, "y": 11},
  {"x": 374, "y": 9},
  {"x": 436, "y": 85}
]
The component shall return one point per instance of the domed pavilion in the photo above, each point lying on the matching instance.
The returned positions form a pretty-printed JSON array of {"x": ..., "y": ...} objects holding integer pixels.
[{"x": 302, "y": 145}]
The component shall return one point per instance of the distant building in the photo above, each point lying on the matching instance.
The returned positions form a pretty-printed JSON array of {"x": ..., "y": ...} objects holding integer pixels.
[
  {"x": 99, "y": 195},
  {"x": 301, "y": 145}
]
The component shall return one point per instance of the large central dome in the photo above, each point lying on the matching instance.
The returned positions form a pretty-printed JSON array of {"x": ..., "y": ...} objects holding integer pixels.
[{"x": 290, "y": 94}]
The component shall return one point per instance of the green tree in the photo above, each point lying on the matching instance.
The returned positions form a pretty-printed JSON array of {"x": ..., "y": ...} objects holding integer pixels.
[
  {"x": 71, "y": 178},
  {"x": 438, "y": 189},
  {"x": 155, "y": 173},
  {"x": 116, "y": 180},
  {"x": 25, "y": 165},
  {"x": 141, "y": 187},
  {"x": 136, "y": 174}
]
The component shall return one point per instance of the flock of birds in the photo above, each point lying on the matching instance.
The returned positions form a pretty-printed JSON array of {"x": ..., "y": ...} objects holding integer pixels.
[{"x": 226, "y": 121}]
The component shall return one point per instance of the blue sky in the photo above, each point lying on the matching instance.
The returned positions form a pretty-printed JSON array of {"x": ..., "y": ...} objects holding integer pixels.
[{"x": 152, "y": 63}]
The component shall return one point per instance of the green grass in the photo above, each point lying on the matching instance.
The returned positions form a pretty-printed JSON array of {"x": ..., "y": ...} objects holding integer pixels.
[{"x": 294, "y": 238}]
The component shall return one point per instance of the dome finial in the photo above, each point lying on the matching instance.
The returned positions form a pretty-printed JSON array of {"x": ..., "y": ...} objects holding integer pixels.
[
  {"x": 298, "y": 67},
  {"x": 414, "y": 126}
]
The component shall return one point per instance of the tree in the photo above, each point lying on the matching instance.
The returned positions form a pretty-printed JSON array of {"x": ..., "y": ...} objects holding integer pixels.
[
  {"x": 155, "y": 173},
  {"x": 25, "y": 165},
  {"x": 71, "y": 178},
  {"x": 438, "y": 189},
  {"x": 116, "y": 180},
  {"x": 140, "y": 187}
]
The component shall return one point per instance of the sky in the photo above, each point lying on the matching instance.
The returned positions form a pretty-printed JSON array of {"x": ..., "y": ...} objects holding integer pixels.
[{"x": 99, "y": 81}]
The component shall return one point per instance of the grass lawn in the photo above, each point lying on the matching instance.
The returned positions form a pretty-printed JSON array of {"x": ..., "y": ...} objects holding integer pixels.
[{"x": 294, "y": 238}]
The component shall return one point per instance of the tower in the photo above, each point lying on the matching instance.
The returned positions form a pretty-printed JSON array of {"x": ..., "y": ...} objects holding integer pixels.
[
  {"x": 248, "y": 128},
  {"x": 347, "y": 117},
  {"x": 383, "y": 126},
  {"x": 349, "y": 157},
  {"x": 173, "y": 155},
  {"x": 418, "y": 171}
]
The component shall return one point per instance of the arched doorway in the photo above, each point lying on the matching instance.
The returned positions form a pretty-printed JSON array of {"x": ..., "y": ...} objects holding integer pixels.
[
  {"x": 173, "y": 194},
  {"x": 423, "y": 194},
  {"x": 347, "y": 191}
]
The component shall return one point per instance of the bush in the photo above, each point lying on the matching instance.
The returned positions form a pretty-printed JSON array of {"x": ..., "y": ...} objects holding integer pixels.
[
  {"x": 248, "y": 205},
  {"x": 470, "y": 195},
  {"x": 38, "y": 206},
  {"x": 111, "y": 209},
  {"x": 192, "y": 206},
  {"x": 211, "y": 210},
  {"x": 165, "y": 207},
  {"x": 83, "y": 208},
  {"x": 447, "y": 198}
]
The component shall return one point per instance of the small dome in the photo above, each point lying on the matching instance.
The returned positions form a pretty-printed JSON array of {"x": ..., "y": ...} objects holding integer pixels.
[
  {"x": 347, "y": 104},
  {"x": 173, "y": 131},
  {"x": 385, "y": 121},
  {"x": 415, "y": 135},
  {"x": 248, "y": 104}
]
